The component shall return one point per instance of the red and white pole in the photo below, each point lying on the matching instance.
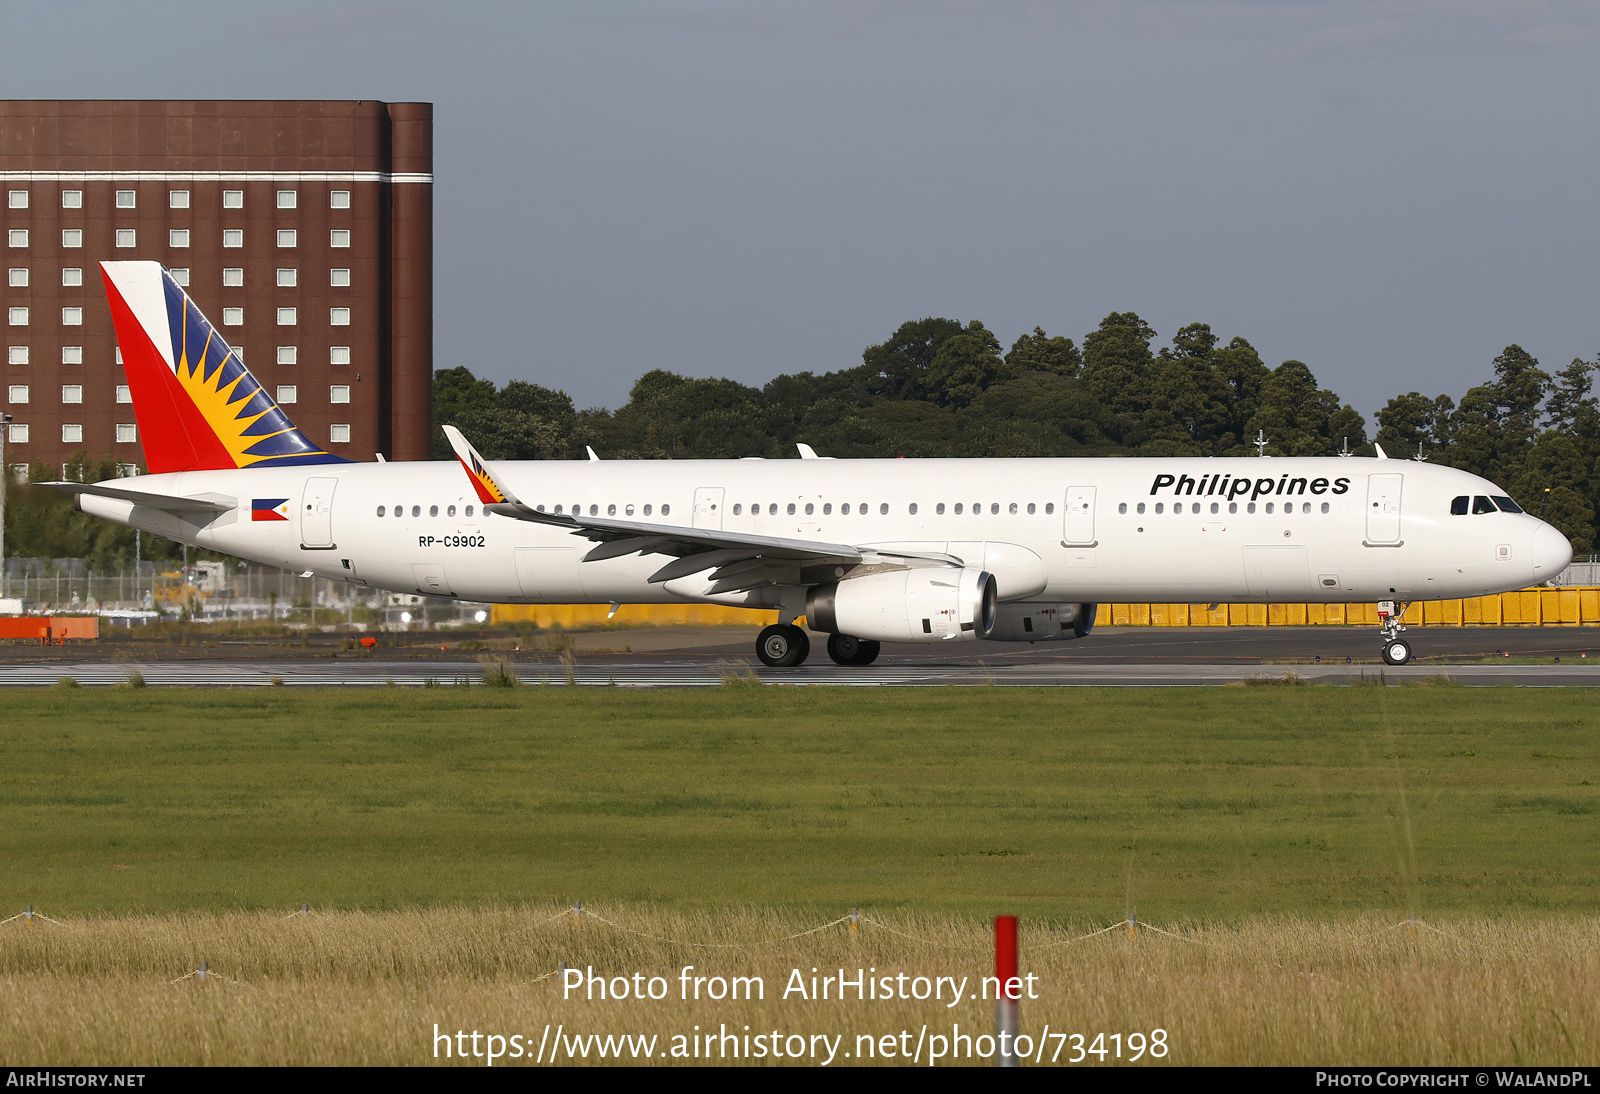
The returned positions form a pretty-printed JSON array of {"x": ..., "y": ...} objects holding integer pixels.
[{"x": 1006, "y": 1002}]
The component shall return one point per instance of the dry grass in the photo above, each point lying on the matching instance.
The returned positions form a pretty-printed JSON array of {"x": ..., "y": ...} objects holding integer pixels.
[{"x": 353, "y": 988}]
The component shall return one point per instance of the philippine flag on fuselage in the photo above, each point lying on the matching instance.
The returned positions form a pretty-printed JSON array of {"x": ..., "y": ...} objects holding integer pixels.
[{"x": 269, "y": 509}]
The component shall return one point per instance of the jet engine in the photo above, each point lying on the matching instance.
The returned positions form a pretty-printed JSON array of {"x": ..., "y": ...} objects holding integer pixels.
[
  {"x": 932, "y": 604},
  {"x": 1042, "y": 622}
]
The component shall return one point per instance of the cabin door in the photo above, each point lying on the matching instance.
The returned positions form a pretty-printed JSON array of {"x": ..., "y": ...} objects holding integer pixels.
[
  {"x": 316, "y": 513},
  {"x": 708, "y": 507},
  {"x": 1383, "y": 508},
  {"x": 1079, "y": 517}
]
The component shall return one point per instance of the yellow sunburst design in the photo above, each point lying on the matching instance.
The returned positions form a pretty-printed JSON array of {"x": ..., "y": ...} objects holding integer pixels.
[{"x": 211, "y": 399}]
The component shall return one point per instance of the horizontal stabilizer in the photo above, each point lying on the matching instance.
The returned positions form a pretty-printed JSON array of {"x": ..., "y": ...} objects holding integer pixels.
[{"x": 200, "y": 503}]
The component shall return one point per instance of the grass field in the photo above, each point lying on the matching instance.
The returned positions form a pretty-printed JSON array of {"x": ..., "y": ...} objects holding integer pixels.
[
  {"x": 1065, "y": 805},
  {"x": 357, "y": 988}
]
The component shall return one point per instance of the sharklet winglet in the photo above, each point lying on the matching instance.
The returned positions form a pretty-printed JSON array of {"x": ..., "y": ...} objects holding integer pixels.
[{"x": 488, "y": 488}]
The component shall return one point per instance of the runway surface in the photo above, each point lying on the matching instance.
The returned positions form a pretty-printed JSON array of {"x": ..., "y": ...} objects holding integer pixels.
[{"x": 703, "y": 657}]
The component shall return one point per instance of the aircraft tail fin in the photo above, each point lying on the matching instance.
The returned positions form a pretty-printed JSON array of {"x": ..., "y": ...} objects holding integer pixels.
[{"x": 199, "y": 408}]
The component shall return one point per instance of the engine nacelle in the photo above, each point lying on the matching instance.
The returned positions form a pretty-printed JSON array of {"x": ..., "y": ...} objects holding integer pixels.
[
  {"x": 1042, "y": 622},
  {"x": 919, "y": 605}
]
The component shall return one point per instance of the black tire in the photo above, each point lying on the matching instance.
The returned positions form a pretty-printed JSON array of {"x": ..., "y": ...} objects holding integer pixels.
[
  {"x": 1397, "y": 652},
  {"x": 782, "y": 646},
  {"x": 847, "y": 649}
]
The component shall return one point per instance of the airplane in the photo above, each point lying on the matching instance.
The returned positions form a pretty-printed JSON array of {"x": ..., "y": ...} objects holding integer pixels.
[{"x": 928, "y": 551}]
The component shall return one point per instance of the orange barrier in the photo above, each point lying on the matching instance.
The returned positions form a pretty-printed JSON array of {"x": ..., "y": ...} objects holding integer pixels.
[
  {"x": 50, "y": 629},
  {"x": 1564, "y": 607}
]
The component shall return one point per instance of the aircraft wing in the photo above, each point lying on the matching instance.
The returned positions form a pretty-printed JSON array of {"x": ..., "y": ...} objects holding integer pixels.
[
  {"x": 200, "y": 503},
  {"x": 740, "y": 560}
]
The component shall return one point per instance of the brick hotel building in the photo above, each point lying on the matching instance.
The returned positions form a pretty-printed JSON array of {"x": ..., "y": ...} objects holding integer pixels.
[{"x": 303, "y": 230}]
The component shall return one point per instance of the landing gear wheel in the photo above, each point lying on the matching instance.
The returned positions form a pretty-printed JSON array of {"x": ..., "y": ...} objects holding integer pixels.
[
  {"x": 782, "y": 646},
  {"x": 1397, "y": 652},
  {"x": 847, "y": 649}
]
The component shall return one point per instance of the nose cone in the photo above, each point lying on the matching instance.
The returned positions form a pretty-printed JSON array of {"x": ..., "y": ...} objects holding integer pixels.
[{"x": 1552, "y": 553}]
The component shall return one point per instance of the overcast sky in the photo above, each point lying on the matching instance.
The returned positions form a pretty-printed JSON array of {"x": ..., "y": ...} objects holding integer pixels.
[{"x": 1388, "y": 191}]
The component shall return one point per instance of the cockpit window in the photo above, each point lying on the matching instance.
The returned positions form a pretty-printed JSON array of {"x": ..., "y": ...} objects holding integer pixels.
[
  {"x": 1481, "y": 504},
  {"x": 1458, "y": 506},
  {"x": 1507, "y": 505}
]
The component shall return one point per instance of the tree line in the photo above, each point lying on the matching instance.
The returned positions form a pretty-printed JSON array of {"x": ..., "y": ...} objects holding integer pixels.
[{"x": 939, "y": 387}]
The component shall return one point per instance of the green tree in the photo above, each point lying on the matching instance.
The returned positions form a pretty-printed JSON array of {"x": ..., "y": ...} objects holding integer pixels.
[
  {"x": 1039, "y": 352},
  {"x": 1116, "y": 362},
  {"x": 1298, "y": 417},
  {"x": 965, "y": 366},
  {"x": 898, "y": 368}
]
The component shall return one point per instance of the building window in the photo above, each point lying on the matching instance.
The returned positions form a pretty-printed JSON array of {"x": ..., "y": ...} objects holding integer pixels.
[
  {"x": 339, "y": 434},
  {"x": 288, "y": 199},
  {"x": 339, "y": 199},
  {"x": 127, "y": 433},
  {"x": 18, "y": 199},
  {"x": 233, "y": 317},
  {"x": 72, "y": 355},
  {"x": 233, "y": 199},
  {"x": 127, "y": 470},
  {"x": 72, "y": 393},
  {"x": 338, "y": 355},
  {"x": 17, "y": 355},
  {"x": 177, "y": 199},
  {"x": 18, "y": 393},
  {"x": 339, "y": 237},
  {"x": 339, "y": 393},
  {"x": 126, "y": 237},
  {"x": 127, "y": 199},
  {"x": 338, "y": 317},
  {"x": 117, "y": 352},
  {"x": 288, "y": 355},
  {"x": 238, "y": 352},
  {"x": 178, "y": 237},
  {"x": 339, "y": 279},
  {"x": 124, "y": 394},
  {"x": 180, "y": 276},
  {"x": 232, "y": 277},
  {"x": 17, "y": 237},
  {"x": 287, "y": 237},
  {"x": 288, "y": 317},
  {"x": 72, "y": 199},
  {"x": 17, "y": 277},
  {"x": 72, "y": 237},
  {"x": 288, "y": 393},
  {"x": 288, "y": 278},
  {"x": 19, "y": 472},
  {"x": 19, "y": 317},
  {"x": 17, "y": 434},
  {"x": 233, "y": 237},
  {"x": 71, "y": 276},
  {"x": 72, "y": 434},
  {"x": 72, "y": 317}
]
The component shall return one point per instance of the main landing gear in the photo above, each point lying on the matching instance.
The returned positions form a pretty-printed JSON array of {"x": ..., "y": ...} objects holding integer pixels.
[
  {"x": 847, "y": 649},
  {"x": 782, "y": 646},
  {"x": 1396, "y": 650}
]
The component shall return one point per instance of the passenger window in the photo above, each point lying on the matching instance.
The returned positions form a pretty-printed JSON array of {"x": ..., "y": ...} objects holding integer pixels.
[
  {"x": 647, "y": 510},
  {"x": 912, "y": 509},
  {"x": 810, "y": 509},
  {"x": 738, "y": 509},
  {"x": 1030, "y": 508},
  {"x": 416, "y": 510},
  {"x": 1195, "y": 508},
  {"x": 958, "y": 508},
  {"x": 594, "y": 510},
  {"x": 433, "y": 510},
  {"x": 611, "y": 510},
  {"x": 939, "y": 509},
  {"x": 862, "y": 508},
  {"x": 1049, "y": 507},
  {"x": 666, "y": 510},
  {"x": 994, "y": 508},
  {"x": 1250, "y": 507},
  {"x": 1481, "y": 504},
  {"x": 1233, "y": 507},
  {"x": 791, "y": 508},
  {"x": 1215, "y": 507},
  {"x": 469, "y": 510},
  {"x": 382, "y": 510},
  {"x": 1269, "y": 508},
  {"x": 558, "y": 510},
  {"x": 627, "y": 510},
  {"x": 399, "y": 510},
  {"x": 1324, "y": 507},
  {"x": 772, "y": 509},
  {"x": 1159, "y": 508},
  {"x": 450, "y": 512},
  {"x": 1013, "y": 509},
  {"x": 827, "y": 508},
  {"x": 844, "y": 510},
  {"x": 1506, "y": 504},
  {"x": 1458, "y": 506},
  {"x": 1140, "y": 508},
  {"x": 1123, "y": 507}
]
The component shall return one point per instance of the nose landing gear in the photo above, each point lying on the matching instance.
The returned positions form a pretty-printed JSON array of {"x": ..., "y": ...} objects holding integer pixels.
[{"x": 1396, "y": 650}]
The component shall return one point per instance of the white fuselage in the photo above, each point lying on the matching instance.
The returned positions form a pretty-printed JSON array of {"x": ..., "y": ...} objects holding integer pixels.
[{"x": 1323, "y": 529}]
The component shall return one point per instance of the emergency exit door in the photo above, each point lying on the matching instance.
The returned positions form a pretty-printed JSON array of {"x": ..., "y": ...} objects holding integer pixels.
[
  {"x": 1383, "y": 509},
  {"x": 1078, "y": 519}
]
